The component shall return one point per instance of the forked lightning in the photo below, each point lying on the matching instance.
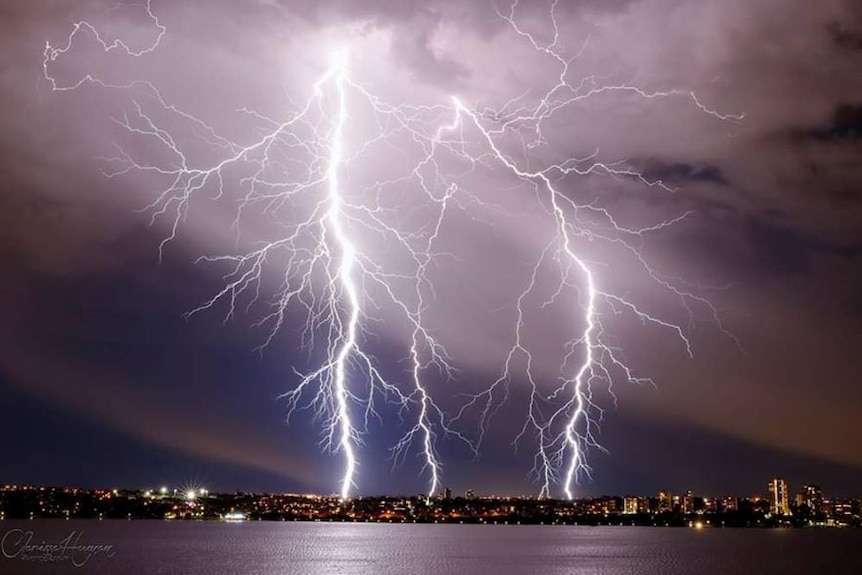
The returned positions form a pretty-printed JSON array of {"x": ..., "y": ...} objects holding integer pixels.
[{"x": 297, "y": 173}]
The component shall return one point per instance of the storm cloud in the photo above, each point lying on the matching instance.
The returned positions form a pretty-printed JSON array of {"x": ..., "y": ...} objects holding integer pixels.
[{"x": 772, "y": 231}]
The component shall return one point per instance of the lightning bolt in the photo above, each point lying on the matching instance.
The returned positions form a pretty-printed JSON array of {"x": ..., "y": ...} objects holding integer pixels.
[
  {"x": 297, "y": 167},
  {"x": 565, "y": 431},
  {"x": 345, "y": 277}
]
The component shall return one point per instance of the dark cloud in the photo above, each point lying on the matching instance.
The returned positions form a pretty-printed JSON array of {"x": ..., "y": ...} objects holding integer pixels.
[
  {"x": 846, "y": 124},
  {"x": 845, "y": 36},
  {"x": 679, "y": 173},
  {"x": 784, "y": 250},
  {"x": 774, "y": 202}
]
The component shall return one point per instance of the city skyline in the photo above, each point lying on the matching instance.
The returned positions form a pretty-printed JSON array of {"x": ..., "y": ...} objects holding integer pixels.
[
  {"x": 809, "y": 493},
  {"x": 810, "y": 507}
]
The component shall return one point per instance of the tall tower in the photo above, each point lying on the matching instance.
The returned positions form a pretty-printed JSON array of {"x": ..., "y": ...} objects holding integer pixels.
[{"x": 778, "y": 497}]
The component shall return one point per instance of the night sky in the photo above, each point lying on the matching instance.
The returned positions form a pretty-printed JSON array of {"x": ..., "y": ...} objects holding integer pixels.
[{"x": 104, "y": 380}]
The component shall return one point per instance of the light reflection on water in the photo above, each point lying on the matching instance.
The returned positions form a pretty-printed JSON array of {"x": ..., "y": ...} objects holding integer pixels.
[{"x": 254, "y": 548}]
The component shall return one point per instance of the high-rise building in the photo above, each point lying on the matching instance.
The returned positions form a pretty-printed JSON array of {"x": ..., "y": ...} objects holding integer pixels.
[
  {"x": 710, "y": 504},
  {"x": 469, "y": 494},
  {"x": 630, "y": 505},
  {"x": 779, "y": 498},
  {"x": 688, "y": 502},
  {"x": 611, "y": 505},
  {"x": 812, "y": 497},
  {"x": 643, "y": 504},
  {"x": 446, "y": 494},
  {"x": 728, "y": 504},
  {"x": 665, "y": 501},
  {"x": 842, "y": 511}
]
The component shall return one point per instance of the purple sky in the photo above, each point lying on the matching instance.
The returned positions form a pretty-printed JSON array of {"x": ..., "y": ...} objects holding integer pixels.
[{"x": 103, "y": 381}]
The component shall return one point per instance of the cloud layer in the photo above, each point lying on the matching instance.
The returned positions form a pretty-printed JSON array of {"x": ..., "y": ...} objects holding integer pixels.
[{"x": 774, "y": 198}]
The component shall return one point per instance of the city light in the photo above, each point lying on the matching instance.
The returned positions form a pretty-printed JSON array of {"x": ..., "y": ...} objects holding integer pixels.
[{"x": 639, "y": 510}]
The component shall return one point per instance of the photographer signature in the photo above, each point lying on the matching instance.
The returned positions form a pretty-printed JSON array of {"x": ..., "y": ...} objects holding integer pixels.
[{"x": 19, "y": 544}]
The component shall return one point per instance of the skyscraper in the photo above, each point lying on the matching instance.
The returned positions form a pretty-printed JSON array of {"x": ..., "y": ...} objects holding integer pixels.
[{"x": 778, "y": 497}]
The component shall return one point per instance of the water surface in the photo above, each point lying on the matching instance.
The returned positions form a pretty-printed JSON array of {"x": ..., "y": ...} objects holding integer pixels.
[{"x": 260, "y": 548}]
